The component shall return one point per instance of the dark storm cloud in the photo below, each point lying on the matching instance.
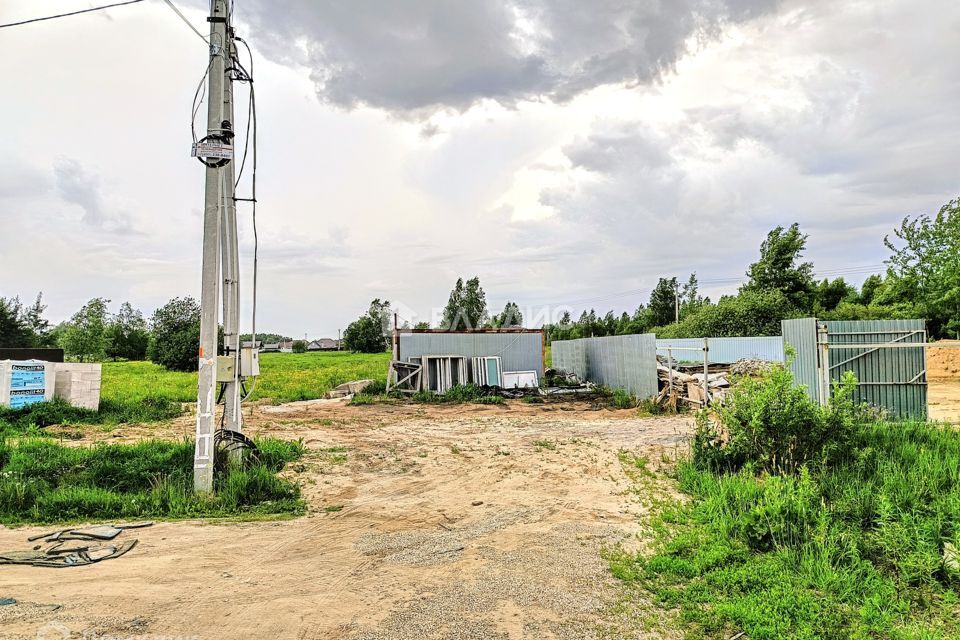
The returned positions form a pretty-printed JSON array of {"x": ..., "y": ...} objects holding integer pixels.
[{"x": 428, "y": 54}]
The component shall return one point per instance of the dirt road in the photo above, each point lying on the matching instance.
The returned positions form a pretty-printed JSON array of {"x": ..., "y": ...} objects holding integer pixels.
[{"x": 436, "y": 522}]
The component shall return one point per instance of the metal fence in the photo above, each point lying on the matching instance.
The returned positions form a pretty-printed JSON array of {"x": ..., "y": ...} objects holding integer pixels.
[
  {"x": 890, "y": 375},
  {"x": 518, "y": 351},
  {"x": 623, "y": 362},
  {"x": 724, "y": 350}
]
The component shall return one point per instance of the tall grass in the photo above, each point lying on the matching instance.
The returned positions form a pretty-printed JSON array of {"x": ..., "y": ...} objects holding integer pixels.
[
  {"x": 42, "y": 481},
  {"x": 856, "y": 544}
]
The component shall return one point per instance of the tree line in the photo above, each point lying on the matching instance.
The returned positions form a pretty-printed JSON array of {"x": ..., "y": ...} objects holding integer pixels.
[{"x": 921, "y": 280}]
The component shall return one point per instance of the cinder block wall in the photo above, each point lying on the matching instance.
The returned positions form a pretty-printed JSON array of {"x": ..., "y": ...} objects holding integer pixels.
[{"x": 79, "y": 384}]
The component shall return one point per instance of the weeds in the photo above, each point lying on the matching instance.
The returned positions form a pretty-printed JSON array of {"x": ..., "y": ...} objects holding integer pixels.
[
  {"x": 41, "y": 481},
  {"x": 111, "y": 412},
  {"x": 844, "y": 531}
]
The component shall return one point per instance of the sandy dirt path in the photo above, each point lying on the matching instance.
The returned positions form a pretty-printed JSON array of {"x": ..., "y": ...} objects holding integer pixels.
[{"x": 436, "y": 522}]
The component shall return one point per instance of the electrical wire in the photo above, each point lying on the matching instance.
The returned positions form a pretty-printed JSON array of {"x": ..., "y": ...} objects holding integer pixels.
[
  {"x": 251, "y": 145},
  {"x": 72, "y": 13},
  {"x": 186, "y": 21}
]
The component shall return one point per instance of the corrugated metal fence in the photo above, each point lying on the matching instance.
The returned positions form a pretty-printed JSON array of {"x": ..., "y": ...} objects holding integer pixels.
[
  {"x": 893, "y": 379},
  {"x": 625, "y": 362},
  {"x": 519, "y": 351},
  {"x": 725, "y": 350}
]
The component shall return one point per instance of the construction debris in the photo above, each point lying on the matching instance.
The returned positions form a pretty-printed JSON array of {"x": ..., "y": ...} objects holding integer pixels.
[
  {"x": 404, "y": 376},
  {"x": 684, "y": 384},
  {"x": 58, "y": 554},
  {"x": 348, "y": 389}
]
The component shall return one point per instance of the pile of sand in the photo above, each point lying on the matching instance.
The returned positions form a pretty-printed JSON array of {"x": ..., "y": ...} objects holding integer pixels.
[{"x": 943, "y": 362}]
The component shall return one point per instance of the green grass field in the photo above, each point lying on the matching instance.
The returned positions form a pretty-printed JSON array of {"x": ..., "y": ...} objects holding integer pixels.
[{"x": 284, "y": 377}]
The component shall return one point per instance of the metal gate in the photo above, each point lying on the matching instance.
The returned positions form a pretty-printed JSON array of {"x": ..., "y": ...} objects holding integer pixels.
[{"x": 888, "y": 357}]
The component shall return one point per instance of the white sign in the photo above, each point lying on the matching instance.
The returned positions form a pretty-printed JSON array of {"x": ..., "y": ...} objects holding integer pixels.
[{"x": 212, "y": 150}]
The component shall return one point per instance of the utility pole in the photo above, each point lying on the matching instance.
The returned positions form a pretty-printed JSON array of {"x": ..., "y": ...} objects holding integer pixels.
[
  {"x": 215, "y": 192},
  {"x": 676, "y": 301},
  {"x": 231, "y": 265}
]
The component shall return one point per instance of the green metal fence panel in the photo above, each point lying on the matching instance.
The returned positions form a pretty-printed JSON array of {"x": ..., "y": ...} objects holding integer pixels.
[
  {"x": 892, "y": 378},
  {"x": 800, "y": 337}
]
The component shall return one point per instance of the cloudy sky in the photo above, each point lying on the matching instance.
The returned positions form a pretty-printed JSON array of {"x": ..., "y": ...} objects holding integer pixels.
[{"x": 568, "y": 153}]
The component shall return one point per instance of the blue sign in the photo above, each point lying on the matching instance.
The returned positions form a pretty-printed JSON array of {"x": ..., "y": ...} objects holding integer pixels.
[
  {"x": 26, "y": 397},
  {"x": 27, "y": 376},
  {"x": 28, "y": 384}
]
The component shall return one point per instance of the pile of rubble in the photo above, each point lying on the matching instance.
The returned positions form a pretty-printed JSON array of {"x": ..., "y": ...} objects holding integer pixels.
[{"x": 683, "y": 384}]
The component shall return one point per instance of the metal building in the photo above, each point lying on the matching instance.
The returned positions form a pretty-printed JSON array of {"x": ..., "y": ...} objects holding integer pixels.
[
  {"x": 890, "y": 374},
  {"x": 519, "y": 349}
]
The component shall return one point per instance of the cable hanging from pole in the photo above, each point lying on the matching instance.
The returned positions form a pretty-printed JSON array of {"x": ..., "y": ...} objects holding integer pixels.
[{"x": 72, "y": 13}]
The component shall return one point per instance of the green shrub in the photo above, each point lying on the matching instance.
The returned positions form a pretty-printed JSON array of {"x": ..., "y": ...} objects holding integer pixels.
[
  {"x": 772, "y": 425},
  {"x": 622, "y": 399}
]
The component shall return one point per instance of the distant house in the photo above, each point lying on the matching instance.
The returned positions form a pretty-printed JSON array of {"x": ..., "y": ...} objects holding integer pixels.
[
  {"x": 323, "y": 344},
  {"x": 270, "y": 346},
  {"x": 247, "y": 344},
  {"x": 286, "y": 346}
]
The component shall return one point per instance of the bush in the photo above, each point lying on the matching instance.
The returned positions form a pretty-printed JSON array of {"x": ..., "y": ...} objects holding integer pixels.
[
  {"x": 773, "y": 425},
  {"x": 751, "y": 313},
  {"x": 622, "y": 399}
]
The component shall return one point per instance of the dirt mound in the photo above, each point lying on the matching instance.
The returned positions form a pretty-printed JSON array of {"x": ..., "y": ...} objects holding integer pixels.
[{"x": 943, "y": 362}]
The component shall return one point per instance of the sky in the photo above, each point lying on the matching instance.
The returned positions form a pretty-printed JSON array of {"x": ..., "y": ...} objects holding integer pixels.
[{"x": 568, "y": 153}]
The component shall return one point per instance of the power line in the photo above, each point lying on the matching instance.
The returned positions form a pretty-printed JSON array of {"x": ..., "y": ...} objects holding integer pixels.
[
  {"x": 72, "y": 13},
  {"x": 186, "y": 21}
]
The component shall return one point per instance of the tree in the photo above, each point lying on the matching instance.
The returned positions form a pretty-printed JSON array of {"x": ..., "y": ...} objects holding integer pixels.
[
  {"x": 467, "y": 306},
  {"x": 127, "y": 334},
  {"x": 85, "y": 337},
  {"x": 690, "y": 299},
  {"x": 926, "y": 269},
  {"x": 663, "y": 300},
  {"x": 423, "y": 324},
  {"x": 14, "y": 330},
  {"x": 779, "y": 267},
  {"x": 37, "y": 324},
  {"x": 176, "y": 335},
  {"x": 381, "y": 312},
  {"x": 510, "y": 317},
  {"x": 367, "y": 334},
  {"x": 299, "y": 346},
  {"x": 827, "y": 295}
]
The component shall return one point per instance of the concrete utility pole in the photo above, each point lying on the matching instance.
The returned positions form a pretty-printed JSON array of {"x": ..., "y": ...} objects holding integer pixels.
[
  {"x": 231, "y": 267},
  {"x": 216, "y": 189},
  {"x": 676, "y": 301}
]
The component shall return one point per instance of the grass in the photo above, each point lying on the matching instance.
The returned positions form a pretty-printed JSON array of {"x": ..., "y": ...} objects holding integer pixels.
[
  {"x": 45, "y": 482},
  {"x": 145, "y": 392},
  {"x": 861, "y": 547},
  {"x": 284, "y": 377}
]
